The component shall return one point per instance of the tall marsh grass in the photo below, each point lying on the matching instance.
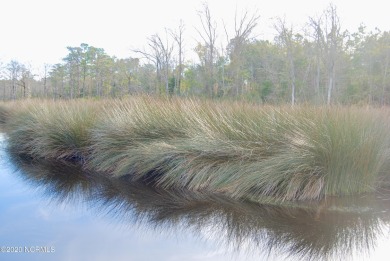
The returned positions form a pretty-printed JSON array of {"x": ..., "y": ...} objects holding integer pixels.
[
  {"x": 241, "y": 150},
  {"x": 4, "y": 114},
  {"x": 52, "y": 130}
]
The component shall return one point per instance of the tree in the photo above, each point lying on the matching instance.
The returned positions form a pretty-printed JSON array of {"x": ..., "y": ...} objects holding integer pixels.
[
  {"x": 46, "y": 68},
  {"x": 369, "y": 64},
  {"x": 333, "y": 44},
  {"x": 285, "y": 35},
  {"x": 243, "y": 29},
  {"x": 178, "y": 38},
  {"x": 207, "y": 51},
  {"x": 165, "y": 49},
  {"x": 24, "y": 82},
  {"x": 128, "y": 70},
  {"x": 102, "y": 72},
  {"x": 324, "y": 64},
  {"x": 58, "y": 77},
  {"x": 384, "y": 43},
  {"x": 160, "y": 54},
  {"x": 73, "y": 64},
  {"x": 14, "y": 72},
  {"x": 319, "y": 42},
  {"x": 2, "y": 79}
]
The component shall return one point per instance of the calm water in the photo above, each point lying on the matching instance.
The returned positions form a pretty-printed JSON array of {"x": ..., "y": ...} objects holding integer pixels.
[{"x": 74, "y": 215}]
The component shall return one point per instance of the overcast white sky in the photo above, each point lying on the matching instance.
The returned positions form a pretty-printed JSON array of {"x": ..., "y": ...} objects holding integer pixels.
[{"x": 38, "y": 31}]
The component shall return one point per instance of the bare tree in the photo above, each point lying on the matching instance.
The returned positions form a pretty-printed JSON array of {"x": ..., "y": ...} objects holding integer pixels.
[
  {"x": 243, "y": 28},
  {"x": 319, "y": 40},
  {"x": 285, "y": 35},
  {"x": 165, "y": 49},
  {"x": 154, "y": 56},
  {"x": 160, "y": 54},
  {"x": 178, "y": 37},
  {"x": 208, "y": 35},
  {"x": 385, "y": 72},
  {"x": 333, "y": 39}
]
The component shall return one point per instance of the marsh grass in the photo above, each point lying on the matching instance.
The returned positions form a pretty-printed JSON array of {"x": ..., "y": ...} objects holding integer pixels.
[
  {"x": 267, "y": 154},
  {"x": 52, "y": 130},
  {"x": 4, "y": 114}
]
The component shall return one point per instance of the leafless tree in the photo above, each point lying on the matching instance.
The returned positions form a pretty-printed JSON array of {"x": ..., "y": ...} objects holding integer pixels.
[
  {"x": 319, "y": 39},
  {"x": 285, "y": 35},
  {"x": 208, "y": 36},
  {"x": 178, "y": 38},
  {"x": 160, "y": 54},
  {"x": 243, "y": 28},
  {"x": 333, "y": 38},
  {"x": 385, "y": 72}
]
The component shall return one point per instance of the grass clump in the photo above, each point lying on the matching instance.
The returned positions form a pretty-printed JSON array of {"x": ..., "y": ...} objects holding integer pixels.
[
  {"x": 261, "y": 153},
  {"x": 5, "y": 114},
  {"x": 241, "y": 150},
  {"x": 132, "y": 133},
  {"x": 52, "y": 130}
]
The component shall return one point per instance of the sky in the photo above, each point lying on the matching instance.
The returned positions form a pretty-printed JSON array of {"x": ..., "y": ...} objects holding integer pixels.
[{"x": 38, "y": 32}]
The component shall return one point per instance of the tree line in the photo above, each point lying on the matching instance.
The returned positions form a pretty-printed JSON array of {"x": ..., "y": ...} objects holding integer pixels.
[{"x": 320, "y": 63}]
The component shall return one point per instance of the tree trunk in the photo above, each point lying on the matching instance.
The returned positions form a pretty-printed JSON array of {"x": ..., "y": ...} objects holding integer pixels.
[
  {"x": 167, "y": 80},
  {"x": 318, "y": 75},
  {"x": 27, "y": 90},
  {"x": 292, "y": 69},
  {"x": 13, "y": 89},
  {"x": 331, "y": 83},
  {"x": 179, "y": 74},
  {"x": 385, "y": 78}
]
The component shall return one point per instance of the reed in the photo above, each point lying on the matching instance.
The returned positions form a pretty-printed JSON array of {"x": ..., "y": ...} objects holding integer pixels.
[
  {"x": 267, "y": 154},
  {"x": 4, "y": 114},
  {"x": 52, "y": 130}
]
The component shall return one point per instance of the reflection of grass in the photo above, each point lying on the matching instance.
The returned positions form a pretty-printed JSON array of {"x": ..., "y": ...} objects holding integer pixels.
[
  {"x": 244, "y": 151},
  {"x": 244, "y": 226}
]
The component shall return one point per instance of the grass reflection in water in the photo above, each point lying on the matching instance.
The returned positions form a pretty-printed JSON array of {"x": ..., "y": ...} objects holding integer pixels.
[{"x": 329, "y": 230}]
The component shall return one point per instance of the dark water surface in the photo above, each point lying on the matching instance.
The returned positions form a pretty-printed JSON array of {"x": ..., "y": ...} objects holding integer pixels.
[{"x": 74, "y": 215}]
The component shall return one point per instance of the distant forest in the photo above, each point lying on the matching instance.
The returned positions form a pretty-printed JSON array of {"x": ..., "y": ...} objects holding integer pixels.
[{"x": 318, "y": 63}]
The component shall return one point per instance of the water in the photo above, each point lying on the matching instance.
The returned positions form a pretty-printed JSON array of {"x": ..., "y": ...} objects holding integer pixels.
[{"x": 74, "y": 215}]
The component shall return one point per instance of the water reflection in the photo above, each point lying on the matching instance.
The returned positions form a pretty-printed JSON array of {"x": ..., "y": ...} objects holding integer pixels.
[{"x": 334, "y": 229}]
